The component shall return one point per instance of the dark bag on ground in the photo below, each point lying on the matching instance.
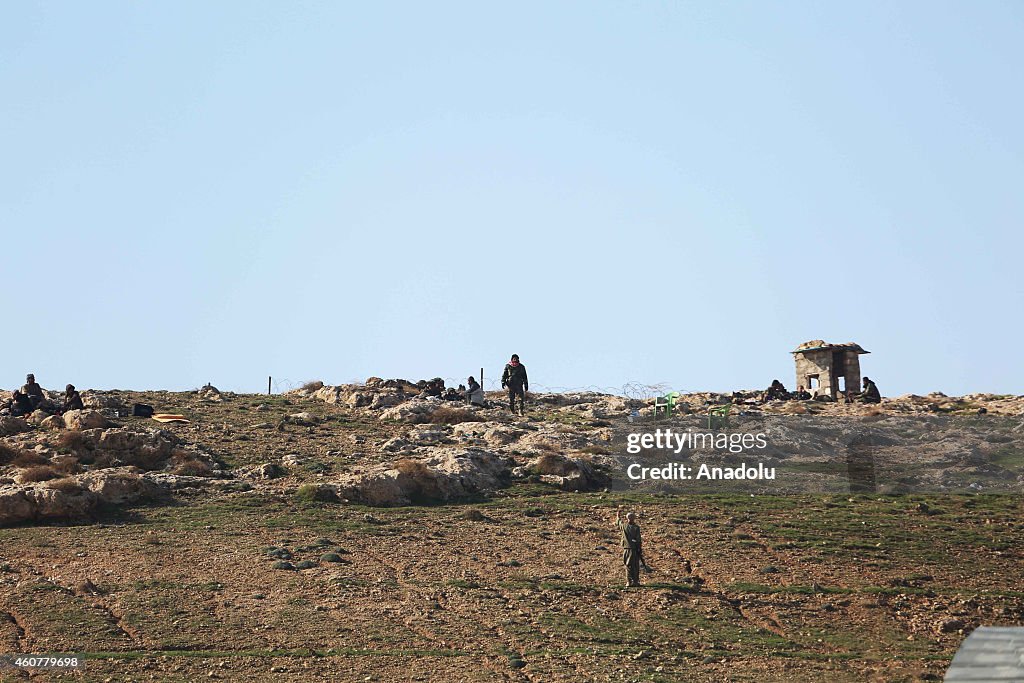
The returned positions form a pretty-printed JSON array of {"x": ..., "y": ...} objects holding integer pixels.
[{"x": 142, "y": 410}]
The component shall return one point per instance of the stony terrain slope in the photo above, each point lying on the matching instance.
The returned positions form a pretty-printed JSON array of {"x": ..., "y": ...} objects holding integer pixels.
[{"x": 348, "y": 533}]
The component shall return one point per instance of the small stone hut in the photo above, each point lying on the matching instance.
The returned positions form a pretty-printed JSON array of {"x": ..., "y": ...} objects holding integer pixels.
[{"x": 828, "y": 369}]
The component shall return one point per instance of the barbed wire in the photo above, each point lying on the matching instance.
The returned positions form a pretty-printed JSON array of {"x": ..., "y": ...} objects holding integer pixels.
[{"x": 641, "y": 391}]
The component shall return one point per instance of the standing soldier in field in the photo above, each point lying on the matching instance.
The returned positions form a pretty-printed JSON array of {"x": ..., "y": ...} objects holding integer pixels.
[
  {"x": 515, "y": 380},
  {"x": 632, "y": 549}
]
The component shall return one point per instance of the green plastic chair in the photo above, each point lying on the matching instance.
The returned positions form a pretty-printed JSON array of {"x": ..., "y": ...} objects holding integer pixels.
[
  {"x": 718, "y": 416},
  {"x": 667, "y": 403}
]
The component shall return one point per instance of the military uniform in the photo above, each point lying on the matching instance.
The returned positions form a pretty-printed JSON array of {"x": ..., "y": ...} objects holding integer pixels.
[
  {"x": 871, "y": 393},
  {"x": 632, "y": 551},
  {"x": 515, "y": 380},
  {"x": 34, "y": 392},
  {"x": 73, "y": 401}
]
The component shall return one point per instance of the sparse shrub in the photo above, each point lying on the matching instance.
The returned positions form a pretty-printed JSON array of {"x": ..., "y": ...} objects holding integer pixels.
[
  {"x": 105, "y": 460},
  {"x": 546, "y": 446},
  {"x": 38, "y": 473},
  {"x": 28, "y": 459},
  {"x": 549, "y": 463},
  {"x": 65, "y": 485},
  {"x": 422, "y": 481},
  {"x": 313, "y": 385},
  {"x": 66, "y": 464},
  {"x": 452, "y": 416},
  {"x": 595, "y": 450},
  {"x": 8, "y": 453},
  {"x": 192, "y": 468},
  {"x": 305, "y": 564},
  {"x": 313, "y": 492},
  {"x": 147, "y": 458},
  {"x": 72, "y": 440}
]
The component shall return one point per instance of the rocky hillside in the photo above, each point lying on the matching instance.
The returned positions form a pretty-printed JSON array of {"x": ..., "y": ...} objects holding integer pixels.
[{"x": 354, "y": 533}]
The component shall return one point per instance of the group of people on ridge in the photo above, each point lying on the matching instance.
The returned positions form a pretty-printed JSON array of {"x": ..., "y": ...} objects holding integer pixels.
[
  {"x": 777, "y": 392},
  {"x": 31, "y": 397},
  {"x": 514, "y": 379}
]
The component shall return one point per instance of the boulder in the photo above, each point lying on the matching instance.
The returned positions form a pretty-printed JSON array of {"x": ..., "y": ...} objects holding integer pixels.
[
  {"x": 569, "y": 474},
  {"x": 210, "y": 393},
  {"x": 494, "y": 434},
  {"x": 304, "y": 419},
  {"x": 84, "y": 419},
  {"x": 414, "y": 410},
  {"x": 51, "y": 503},
  {"x": 427, "y": 436},
  {"x": 111, "y": 405},
  {"x": 448, "y": 474},
  {"x": 14, "y": 506},
  {"x": 54, "y": 422},
  {"x": 264, "y": 471},
  {"x": 118, "y": 485},
  {"x": 13, "y": 425}
]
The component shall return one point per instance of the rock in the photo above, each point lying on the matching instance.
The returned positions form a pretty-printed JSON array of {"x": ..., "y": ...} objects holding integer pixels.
[
  {"x": 448, "y": 474},
  {"x": 331, "y": 557},
  {"x": 305, "y": 564},
  {"x": 949, "y": 626},
  {"x": 494, "y": 434},
  {"x": 414, "y": 410},
  {"x": 569, "y": 474},
  {"x": 179, "y": 482},
  {"x": 110, "y": 405},
  {"x": 54, "y": 422},
  {"x": 304, "y": 419},
  {"x": 56, "y": 504},
  {"x": 118, "y": 485},
  {"x": 210, "y": 393},
  {"x": 14, "y": 506},
  {"x": 84, "y": 419},
  {"x": 13, "y": 425},
  {"x": 294, "y": 459},
  {"x": 264, "y": 471},
  {"x": 394, "y": 445},
  {"x": 281, "y": 564},
  {"x": 149, "y": 449},
  {"x": 38, "y": 416},
  {"x": 427, "y": 436}
]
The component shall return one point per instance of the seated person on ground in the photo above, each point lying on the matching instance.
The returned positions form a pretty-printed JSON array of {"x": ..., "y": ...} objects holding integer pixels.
[
  {"x": 474, "y": 392},
  {"x": 801, "y": 394},
  {"x": 72, "y": 399},
  {"x": 20, "y": 404},
  {"x": 776, "y": 392},
  {"x": 434, "y": 389},
  {"x": 870, "y": 393},
  {"x": 33, "y": 391}
]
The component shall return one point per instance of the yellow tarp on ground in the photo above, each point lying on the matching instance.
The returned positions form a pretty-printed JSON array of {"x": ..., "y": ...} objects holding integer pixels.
[{"x": 166, "y": 417}]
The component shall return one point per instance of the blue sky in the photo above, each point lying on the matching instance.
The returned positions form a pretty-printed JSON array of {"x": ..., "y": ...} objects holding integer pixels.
[{"x": 620, "y": 192}]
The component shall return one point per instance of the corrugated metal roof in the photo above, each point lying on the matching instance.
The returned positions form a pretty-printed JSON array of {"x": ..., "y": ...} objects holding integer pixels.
[{"x": 990, "y": 653}]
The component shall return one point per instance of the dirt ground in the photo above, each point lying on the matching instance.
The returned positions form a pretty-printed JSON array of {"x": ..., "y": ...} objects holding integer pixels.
[{"x": 523, "y": 585}]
